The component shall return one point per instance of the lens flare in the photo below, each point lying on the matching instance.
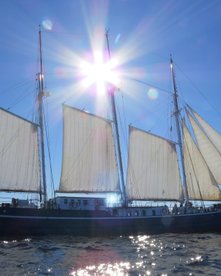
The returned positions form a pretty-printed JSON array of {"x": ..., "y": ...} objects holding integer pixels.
[
  {"x": 99, "y": 72},
  {"x": 152, "y": 93},
  {"x": 117, "y": 38},
  {"x": 112, "y": 200},
  {"x": 47, "y": 24}
]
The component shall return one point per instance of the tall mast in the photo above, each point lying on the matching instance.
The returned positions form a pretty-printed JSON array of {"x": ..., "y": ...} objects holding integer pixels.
[
  {"x": 41, "y": 116},
  {"x": 178, "y": 129},
  {"x": 111, "y": 91}
]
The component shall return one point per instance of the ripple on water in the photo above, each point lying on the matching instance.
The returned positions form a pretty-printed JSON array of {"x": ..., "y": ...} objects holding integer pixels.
[{"x": 145, "y": 255}]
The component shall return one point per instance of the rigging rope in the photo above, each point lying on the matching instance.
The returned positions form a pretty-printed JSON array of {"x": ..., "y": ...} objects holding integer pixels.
[{"x": 198, "y": 90}]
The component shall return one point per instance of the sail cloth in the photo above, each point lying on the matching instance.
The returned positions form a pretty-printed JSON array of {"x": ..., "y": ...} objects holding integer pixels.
[
  {"x": 208, "y": 150},
  {"x": 212, "y": 134},
  {"x": 89, "y": 160},
  {"x": 200, "y": 182},
  {"x": 19, "y": 155},
  {"x": 152, "y": 168}
]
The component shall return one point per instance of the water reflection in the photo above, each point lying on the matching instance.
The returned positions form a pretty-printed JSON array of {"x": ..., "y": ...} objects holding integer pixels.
[
  {"x": 143, "y": 253},
  {"x": 135, "y": 255},
  {"x": 105, "y": 269},
  {"x": 146, "y": 255}
]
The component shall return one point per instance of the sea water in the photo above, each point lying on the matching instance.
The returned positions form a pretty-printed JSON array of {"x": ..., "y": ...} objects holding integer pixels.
[{"x": 168, "y": 254}]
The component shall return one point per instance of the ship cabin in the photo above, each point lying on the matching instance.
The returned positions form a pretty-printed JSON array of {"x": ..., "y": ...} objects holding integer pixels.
[
  {"x": 141, "y": 211},
  {"x": 100, "y": 204},
  {"x": 79, "y": 203}
]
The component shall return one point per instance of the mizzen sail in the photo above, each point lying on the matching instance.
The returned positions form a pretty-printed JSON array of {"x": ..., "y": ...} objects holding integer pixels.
[
  {"x": 89, "y": 160},
  {"x": 152, "y": 168}
]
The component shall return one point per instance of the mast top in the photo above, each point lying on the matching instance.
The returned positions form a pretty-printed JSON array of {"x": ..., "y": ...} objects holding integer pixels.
[
  {"x": 108, "y": 44},
  {"x": 171, "y": 61}
]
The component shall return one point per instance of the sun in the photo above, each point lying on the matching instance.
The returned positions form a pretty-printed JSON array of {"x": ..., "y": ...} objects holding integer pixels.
[{"x": 99, "y": 72}]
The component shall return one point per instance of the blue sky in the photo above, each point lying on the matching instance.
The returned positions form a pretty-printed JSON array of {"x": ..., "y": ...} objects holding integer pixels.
[{"x": 142, "y": 34}]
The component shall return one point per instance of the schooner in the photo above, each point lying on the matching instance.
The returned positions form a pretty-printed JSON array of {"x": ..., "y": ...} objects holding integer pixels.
[{"x": 92, "y": 163}]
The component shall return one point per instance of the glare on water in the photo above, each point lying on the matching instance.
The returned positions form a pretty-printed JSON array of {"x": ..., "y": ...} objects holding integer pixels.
[{"x": 134, "y": 255}]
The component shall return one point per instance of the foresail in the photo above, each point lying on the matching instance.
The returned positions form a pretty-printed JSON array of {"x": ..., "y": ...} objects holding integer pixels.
[
  {"x": 200, "y": 181},
  {"x": 19, "y": 155},
  {"x": 152, "y": 168},
  {"x": 89, "y": 161},
  {"x": 210, "y": 153}
]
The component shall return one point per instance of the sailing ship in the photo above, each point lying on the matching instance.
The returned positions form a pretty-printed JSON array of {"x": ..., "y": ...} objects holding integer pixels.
[{"x": 92, "y": 164}]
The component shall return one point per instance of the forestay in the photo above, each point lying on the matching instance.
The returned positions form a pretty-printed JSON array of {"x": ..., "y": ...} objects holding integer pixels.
[
  {"x": 19, "y": 155},
  {"x": 152, "y": 168},
  {"x": 89, "y": 161},
  {"x": 200, "y": 181}
]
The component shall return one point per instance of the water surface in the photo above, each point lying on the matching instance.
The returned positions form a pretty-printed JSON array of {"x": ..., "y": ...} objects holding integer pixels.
[{"x": 168, "y": 254}]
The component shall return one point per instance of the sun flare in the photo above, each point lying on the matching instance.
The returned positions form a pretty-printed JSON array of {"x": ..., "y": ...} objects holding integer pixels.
[{"x": 99, "y": 72}]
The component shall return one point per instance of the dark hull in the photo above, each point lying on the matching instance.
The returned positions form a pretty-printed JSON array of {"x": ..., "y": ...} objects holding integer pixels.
[{"x": 18, "y": 221}]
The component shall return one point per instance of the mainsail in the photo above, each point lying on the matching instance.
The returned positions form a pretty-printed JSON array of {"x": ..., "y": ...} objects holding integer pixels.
[
  {"x": 208, "y": 150},
  {"x": 200, "y": 181},
  {"x": 152, "y": 168},
  {"x": 19, "y": 154},
  {"x": 89, "y": 161}
]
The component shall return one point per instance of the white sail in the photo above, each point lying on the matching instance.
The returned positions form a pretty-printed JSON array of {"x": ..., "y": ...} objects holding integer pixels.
[
  {"x": 89, "y": 160},
  {"x": 213, "y": 135},
  {"x": 208, "y": 150},
  {"x": 200, "y": 181},
  {"x": 152, "y": 168},
  {"x": 19, "y": 155}
]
